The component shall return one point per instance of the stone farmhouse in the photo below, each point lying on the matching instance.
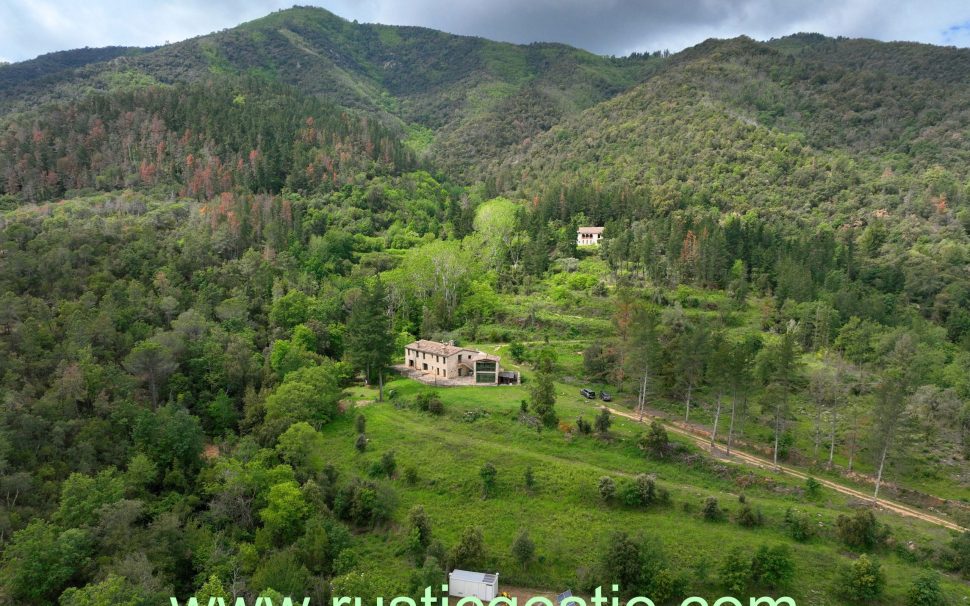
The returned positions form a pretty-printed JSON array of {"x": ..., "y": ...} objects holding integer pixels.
[{"x": 448, "y": 364}]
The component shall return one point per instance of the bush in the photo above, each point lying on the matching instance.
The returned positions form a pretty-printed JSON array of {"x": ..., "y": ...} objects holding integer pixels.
[
  {"x": 863, "y": 581},
  {"x": 735, "y": 572},
  {"x": 583, "y": 426},
  {"x": 411, "y": 476},
  {"x": 961, "y": 552},
  {"x": 388, "y": 463},
  {"x": 749, "y": 517},
  {"x": 925, "y": 591},
  {"x": 642, "y": 491},
  {"x": 861, "y": 531},
  {"x": 360, "y": 423},
  {"x": 800, "y": 525},
  {"x": 431, "y": 574},
  {"x": 529, "y": 478},
  {"x": 772, "y": 567},
  {"x": 813, "y": 489},
  {"x": 488, "y": 474},
  {"x": 364, "y": 503},
  {"x": 712, "y": 510},
  {"x": 361, "y": 443},
  {"x": 603, "y": 421},
  {"x": 523, "y": 548},
  {"x": 655, "y": 442},
  {"x": 428, "y": 401},
  {"x": 607, "y": 488},
  {"x": 638, "y": 566},
  {"x": 376, "y": 470},
  {"x": 419, "y": 520},
  {"x": 469, "y": 552},
  {"x": 517, "y": 352}
]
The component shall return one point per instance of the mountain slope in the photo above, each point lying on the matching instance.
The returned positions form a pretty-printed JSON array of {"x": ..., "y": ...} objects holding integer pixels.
[
  {"x": 477, "y": 96},
  {"x": 741, "y": 124}
]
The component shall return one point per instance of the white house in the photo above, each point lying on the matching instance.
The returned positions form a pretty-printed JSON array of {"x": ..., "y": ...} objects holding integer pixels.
[{"x": 587, "y": 236}]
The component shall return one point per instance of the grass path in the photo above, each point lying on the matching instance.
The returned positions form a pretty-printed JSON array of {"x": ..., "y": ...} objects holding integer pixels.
[{"x": 763, "y": 463}]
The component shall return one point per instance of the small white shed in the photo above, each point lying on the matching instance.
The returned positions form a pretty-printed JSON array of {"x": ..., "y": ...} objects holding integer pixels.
[{"x": 464, "y": 583}]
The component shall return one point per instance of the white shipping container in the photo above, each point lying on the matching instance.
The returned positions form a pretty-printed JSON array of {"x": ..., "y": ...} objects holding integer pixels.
[{"x": 464, "y": 583}]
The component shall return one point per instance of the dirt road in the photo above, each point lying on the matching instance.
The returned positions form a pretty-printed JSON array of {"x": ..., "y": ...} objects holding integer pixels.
[{"x": 749, "y": 459}]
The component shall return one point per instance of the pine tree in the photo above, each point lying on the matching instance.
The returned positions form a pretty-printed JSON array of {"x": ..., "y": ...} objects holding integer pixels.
[
  {"x": 543, "y": 392},
  {"x": 369, "y": 341}
]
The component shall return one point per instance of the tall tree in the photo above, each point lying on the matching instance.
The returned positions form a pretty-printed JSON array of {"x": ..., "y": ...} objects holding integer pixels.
[
  {"x": 740, "y": 363},
  {"x": 694, "y": 347},
  {"x": 719, "y": 375},
  {"x": 892, "y": 398},
  {"x": 543, "y": 391},
  {"x": 642, "y": 349},
  {"x": 151, "y": 362},
  {"x": 369, "y": 340},
  {"x": 778, "y": 367}
]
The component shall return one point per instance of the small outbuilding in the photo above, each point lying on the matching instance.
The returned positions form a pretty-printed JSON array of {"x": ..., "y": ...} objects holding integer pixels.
[{"x": 465, "y": 583}]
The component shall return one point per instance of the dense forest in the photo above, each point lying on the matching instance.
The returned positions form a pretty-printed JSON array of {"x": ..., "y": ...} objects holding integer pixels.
[{"x": 212, "y": 254}]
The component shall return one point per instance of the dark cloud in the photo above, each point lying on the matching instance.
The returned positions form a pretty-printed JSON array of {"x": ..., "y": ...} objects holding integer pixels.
[{"x": 31, "y": 27}]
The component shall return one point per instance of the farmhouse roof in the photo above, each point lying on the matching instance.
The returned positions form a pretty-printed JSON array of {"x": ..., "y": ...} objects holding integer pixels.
[
  {"x": 436, "y": 348},
  {"x": 590, "y": 230}
]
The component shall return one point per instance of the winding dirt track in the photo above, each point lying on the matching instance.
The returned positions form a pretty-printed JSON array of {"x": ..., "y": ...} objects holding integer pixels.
[{"x": 749, "y": 459}]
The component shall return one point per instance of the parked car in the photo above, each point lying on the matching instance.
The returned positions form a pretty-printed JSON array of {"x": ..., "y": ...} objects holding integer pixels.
[
  {"x": 606, "y": 397},
  {"x": 589, "y": 394}
]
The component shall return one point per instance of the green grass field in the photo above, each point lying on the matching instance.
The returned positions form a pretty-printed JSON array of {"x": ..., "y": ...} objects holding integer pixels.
[{"x": 564, "y": 513}]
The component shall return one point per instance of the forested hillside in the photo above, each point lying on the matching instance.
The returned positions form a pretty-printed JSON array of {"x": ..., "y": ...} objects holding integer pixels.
[
  {"x": 690, "y": 151},
  {"x": 212, "y": 254},
  {"x": 469, "y": 98}
]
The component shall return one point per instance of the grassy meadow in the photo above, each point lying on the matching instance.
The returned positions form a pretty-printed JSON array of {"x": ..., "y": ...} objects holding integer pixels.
[{"x": 564, "y": 513}]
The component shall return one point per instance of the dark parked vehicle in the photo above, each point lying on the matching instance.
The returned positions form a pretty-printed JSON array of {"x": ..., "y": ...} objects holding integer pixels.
[
  {"x": 589, "y": 394},
  {"x": 606, "y": 397}
]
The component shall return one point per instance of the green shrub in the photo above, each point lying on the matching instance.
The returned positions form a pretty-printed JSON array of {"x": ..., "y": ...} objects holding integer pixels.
[
  {"x": 469, "y": 552},
  {"x": 861, "y": 531},
  {"x": 712, "y": 510},
  {"x": 488, "y": 474},
  {"x": 925, "y": 591},
  {"x": 961, "y": 552},
  {"x": 517, "y": 352},
  {"x": 813, "y": 488},
  {"x": 430, "y": 402},
  {"x": 800, "y": 525},
  {"x": 388, "y": 463},
  {"x": 655, "y": 442},
  {"x": 523, "y": 548},
  {"x": 863, "y": 581},
  {"x": 603, "y": 421},
  {"x": 529, "y": 478},
  {"x": 607, "y": 488},
  {"x": 749, "y": 517},
  {"x": 735, "y": 572},
  {"x": 772, "y": 567}
]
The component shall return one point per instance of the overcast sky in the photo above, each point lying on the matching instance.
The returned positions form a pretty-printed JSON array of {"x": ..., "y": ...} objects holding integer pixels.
[{"x": 32, "y": 27}]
